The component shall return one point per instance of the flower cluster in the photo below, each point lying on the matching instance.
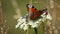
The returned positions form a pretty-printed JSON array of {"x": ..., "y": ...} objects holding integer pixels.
[{"x": 22, "y": 23}]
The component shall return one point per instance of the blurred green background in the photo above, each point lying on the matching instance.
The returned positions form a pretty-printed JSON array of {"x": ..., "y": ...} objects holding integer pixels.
[{"x": 9, "y": 12}]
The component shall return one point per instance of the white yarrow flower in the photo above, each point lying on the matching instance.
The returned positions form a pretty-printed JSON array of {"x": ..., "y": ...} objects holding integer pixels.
[
  {"x": 25, "y": 27},
  {"x": 34, "y": 25},
  {"x": 49, "y": 17}
]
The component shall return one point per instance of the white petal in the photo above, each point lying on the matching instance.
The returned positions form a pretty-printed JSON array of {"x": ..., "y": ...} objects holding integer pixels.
[
  {"x": 25, "y": 27},
  {"x": 49, "y": 17}
]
